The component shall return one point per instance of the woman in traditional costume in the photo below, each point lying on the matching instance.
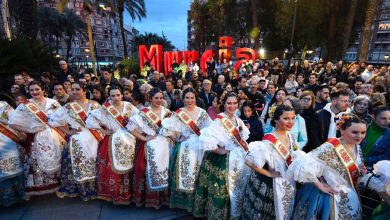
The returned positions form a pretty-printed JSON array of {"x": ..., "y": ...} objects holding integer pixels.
[
  {"x": 268, "y": 194},
  {"x": 44, "y": 144},
  {"x": 117, "y": 150},
  {"x": 78, "y": 165},
  {"x": 330, "y": 175},
  {"x": 11, "y": 156},
  {"x": 185, "y": 125},
  {"x": 153, "y": 154},
  {"x": 223, "y": 173}
]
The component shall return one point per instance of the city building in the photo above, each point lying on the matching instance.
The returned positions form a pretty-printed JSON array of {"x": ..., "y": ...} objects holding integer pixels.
[
  {"x": 379, "y": 46},
  {"x": 106, "y": 31}
]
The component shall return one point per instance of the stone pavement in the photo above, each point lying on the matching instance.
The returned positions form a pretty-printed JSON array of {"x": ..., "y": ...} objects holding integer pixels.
[{"x": 50, "y": 207}]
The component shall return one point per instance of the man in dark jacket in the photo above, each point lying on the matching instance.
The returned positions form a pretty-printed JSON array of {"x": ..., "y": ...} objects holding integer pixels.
[
  {"x": 207, "y": 95},
  {"x": 107, "y": 78},
  {"x": 326, "y": 118},
  {"x": 64, "y": 71}
]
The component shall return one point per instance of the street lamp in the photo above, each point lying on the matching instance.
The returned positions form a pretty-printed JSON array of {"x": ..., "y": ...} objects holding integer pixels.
[
  {"x": 309, "y": 52},
  {"x": 262, "y": 52},
  {"x": 386, "y": 57}
]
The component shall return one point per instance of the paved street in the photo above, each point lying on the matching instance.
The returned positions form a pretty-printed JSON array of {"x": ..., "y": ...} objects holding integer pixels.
[{"x": 51, "y": 207}]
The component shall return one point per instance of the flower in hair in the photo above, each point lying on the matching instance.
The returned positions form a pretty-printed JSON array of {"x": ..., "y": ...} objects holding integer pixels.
[
  {"x": 343, "y": 119},
  {"x": 272, "y": 110}
]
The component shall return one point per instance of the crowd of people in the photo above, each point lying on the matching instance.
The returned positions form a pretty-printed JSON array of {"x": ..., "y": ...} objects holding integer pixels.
[{"x": 266, "y": 141}]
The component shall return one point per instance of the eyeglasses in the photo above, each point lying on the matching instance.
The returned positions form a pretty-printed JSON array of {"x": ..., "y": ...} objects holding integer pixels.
[{"x": 306, "y": 99}]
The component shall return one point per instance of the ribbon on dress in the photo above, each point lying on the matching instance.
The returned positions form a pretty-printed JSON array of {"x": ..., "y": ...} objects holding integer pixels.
[
  {"x": 188, "y": 161},
  {"x": 347, "y": 161},
  {"x": 238, "y": 171},
  {"x": 10, "y": 134},
  {"x": 41, "y": 116},
  {"x": 121, "y": 147},
  {"x": 157, "y": 153},
  {"x": 83, "y": 146},
  {"x": 47, "y": 143},
  {"x": 282, "y": 150}
]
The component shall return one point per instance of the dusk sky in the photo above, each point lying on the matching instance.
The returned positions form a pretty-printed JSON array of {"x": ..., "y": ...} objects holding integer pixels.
[{"x": 168, "y": 16}]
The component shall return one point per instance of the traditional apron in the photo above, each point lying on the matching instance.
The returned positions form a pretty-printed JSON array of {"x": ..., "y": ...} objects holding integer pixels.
[
  {"x": 188, "y": 160},
  {"x": 284, "y": 190},
  {"x": 10, "y": 164},
  {"x": 121, "y": 148},
  {"x": 238, "y": 171},
  {"x": 48, "y": 149},
  {"x": 346, "y": 202},
  {"x": 157, "y": 154},
  {"x": 83, "y": 146}
]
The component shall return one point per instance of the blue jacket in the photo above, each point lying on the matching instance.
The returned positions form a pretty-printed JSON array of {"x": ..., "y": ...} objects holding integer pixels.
[{"x": 380, "y": 151}]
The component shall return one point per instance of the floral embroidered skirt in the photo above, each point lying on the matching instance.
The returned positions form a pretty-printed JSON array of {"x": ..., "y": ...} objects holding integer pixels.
[
  {"x": 37, "y": 181},
  {"x": 311, "y": 203},
  {"x": 142, "y": 195},
  {"x": 259, "y": 197},
  {"x": 178, "y": 199},
  {"x": 111, "y": 186},
  {"x": 71, "y": 188},
  {"x": 212, "y": 199},
  {"x": 12, "y": 190}
]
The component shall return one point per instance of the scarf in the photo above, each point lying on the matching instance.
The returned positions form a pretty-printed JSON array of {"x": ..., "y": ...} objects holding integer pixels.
[
  {"x": 373, "y": 134},
  {"x": 333, "y": 118}
]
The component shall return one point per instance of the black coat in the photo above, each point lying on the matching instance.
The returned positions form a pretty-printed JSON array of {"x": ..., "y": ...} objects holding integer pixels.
[
  {"x": 321, "y": 123},
  {"x": 309, "y": 116},
  {"x": 208, "y": 102},
  {"x": 255, "y": 128}
]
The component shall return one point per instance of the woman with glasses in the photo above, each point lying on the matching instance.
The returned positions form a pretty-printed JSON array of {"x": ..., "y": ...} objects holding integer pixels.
[{"x": 308, "y": 101}]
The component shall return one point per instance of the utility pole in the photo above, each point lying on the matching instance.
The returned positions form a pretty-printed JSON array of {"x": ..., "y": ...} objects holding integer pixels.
[{"x": 293, "y": 31}]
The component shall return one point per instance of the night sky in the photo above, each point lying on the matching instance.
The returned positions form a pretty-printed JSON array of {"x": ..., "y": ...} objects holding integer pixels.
[{"x": 168, "y": 16}]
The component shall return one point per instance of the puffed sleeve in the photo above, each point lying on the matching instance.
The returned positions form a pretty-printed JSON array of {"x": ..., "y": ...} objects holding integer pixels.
[
  {"x": 60, "y": 118},
  {"x": 258, "y": 153},
  {"x": 303, "y": 168},
  {"x": 172, "y": 125},
  {"x": 380, "y": 178},
  {"x": 213, "y": 135},
  {"x": 22, "y": 117},
  {"x": 136, "y": 122},
  {"x": 94, "y": 120}
]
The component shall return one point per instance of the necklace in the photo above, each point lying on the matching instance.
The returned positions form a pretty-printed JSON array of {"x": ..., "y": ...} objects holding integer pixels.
[
  {"x": 40, "y": 104},
  {"x": 351, "y": 152},
  {"x": 283, "y": 138}
]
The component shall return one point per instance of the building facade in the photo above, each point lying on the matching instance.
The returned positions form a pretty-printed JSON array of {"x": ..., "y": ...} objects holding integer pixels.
[
  {"x": 379, "y": 46},
  {"x": 107, "y": 38}
]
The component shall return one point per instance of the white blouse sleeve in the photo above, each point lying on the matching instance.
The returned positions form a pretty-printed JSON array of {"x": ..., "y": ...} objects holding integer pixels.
[
  {"x": 59, "y": 118},
  {"x": 94, "y": 119},
  {"x": 258, "y": 153},
  {"x": 304, "y": 168},
  {"x": 22, "y": 117},
  {"x": 172, "y": 125},
  {"x": 213, "y": 135},
  {"x": 136, "y": 122},
  {"x": 381, "y": 177},
  {"x": 244, "y": 130}
]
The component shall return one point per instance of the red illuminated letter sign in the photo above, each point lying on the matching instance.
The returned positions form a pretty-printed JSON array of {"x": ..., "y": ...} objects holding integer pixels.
[
  {"x": 191, "y": 56},
  {"x": 244, "y": 55},
  {"x": 225, "y": 47},
  {"x": 168, "y": 60},
  {"x": 154, "y": 56},
  {"x": 205, "y": 57}
]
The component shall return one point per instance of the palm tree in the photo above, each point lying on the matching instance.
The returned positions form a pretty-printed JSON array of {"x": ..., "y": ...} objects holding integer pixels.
[
  {"x": 72, "y": 26},
  {"x": 29, "y": 17},
  {"x": 349, "y": 24},
  {"x": 136, "y": 9},
  {"x": 50, "y": 24},
  {"x": 149, "y": 39},
  {"x": 371, "y": 12}
]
